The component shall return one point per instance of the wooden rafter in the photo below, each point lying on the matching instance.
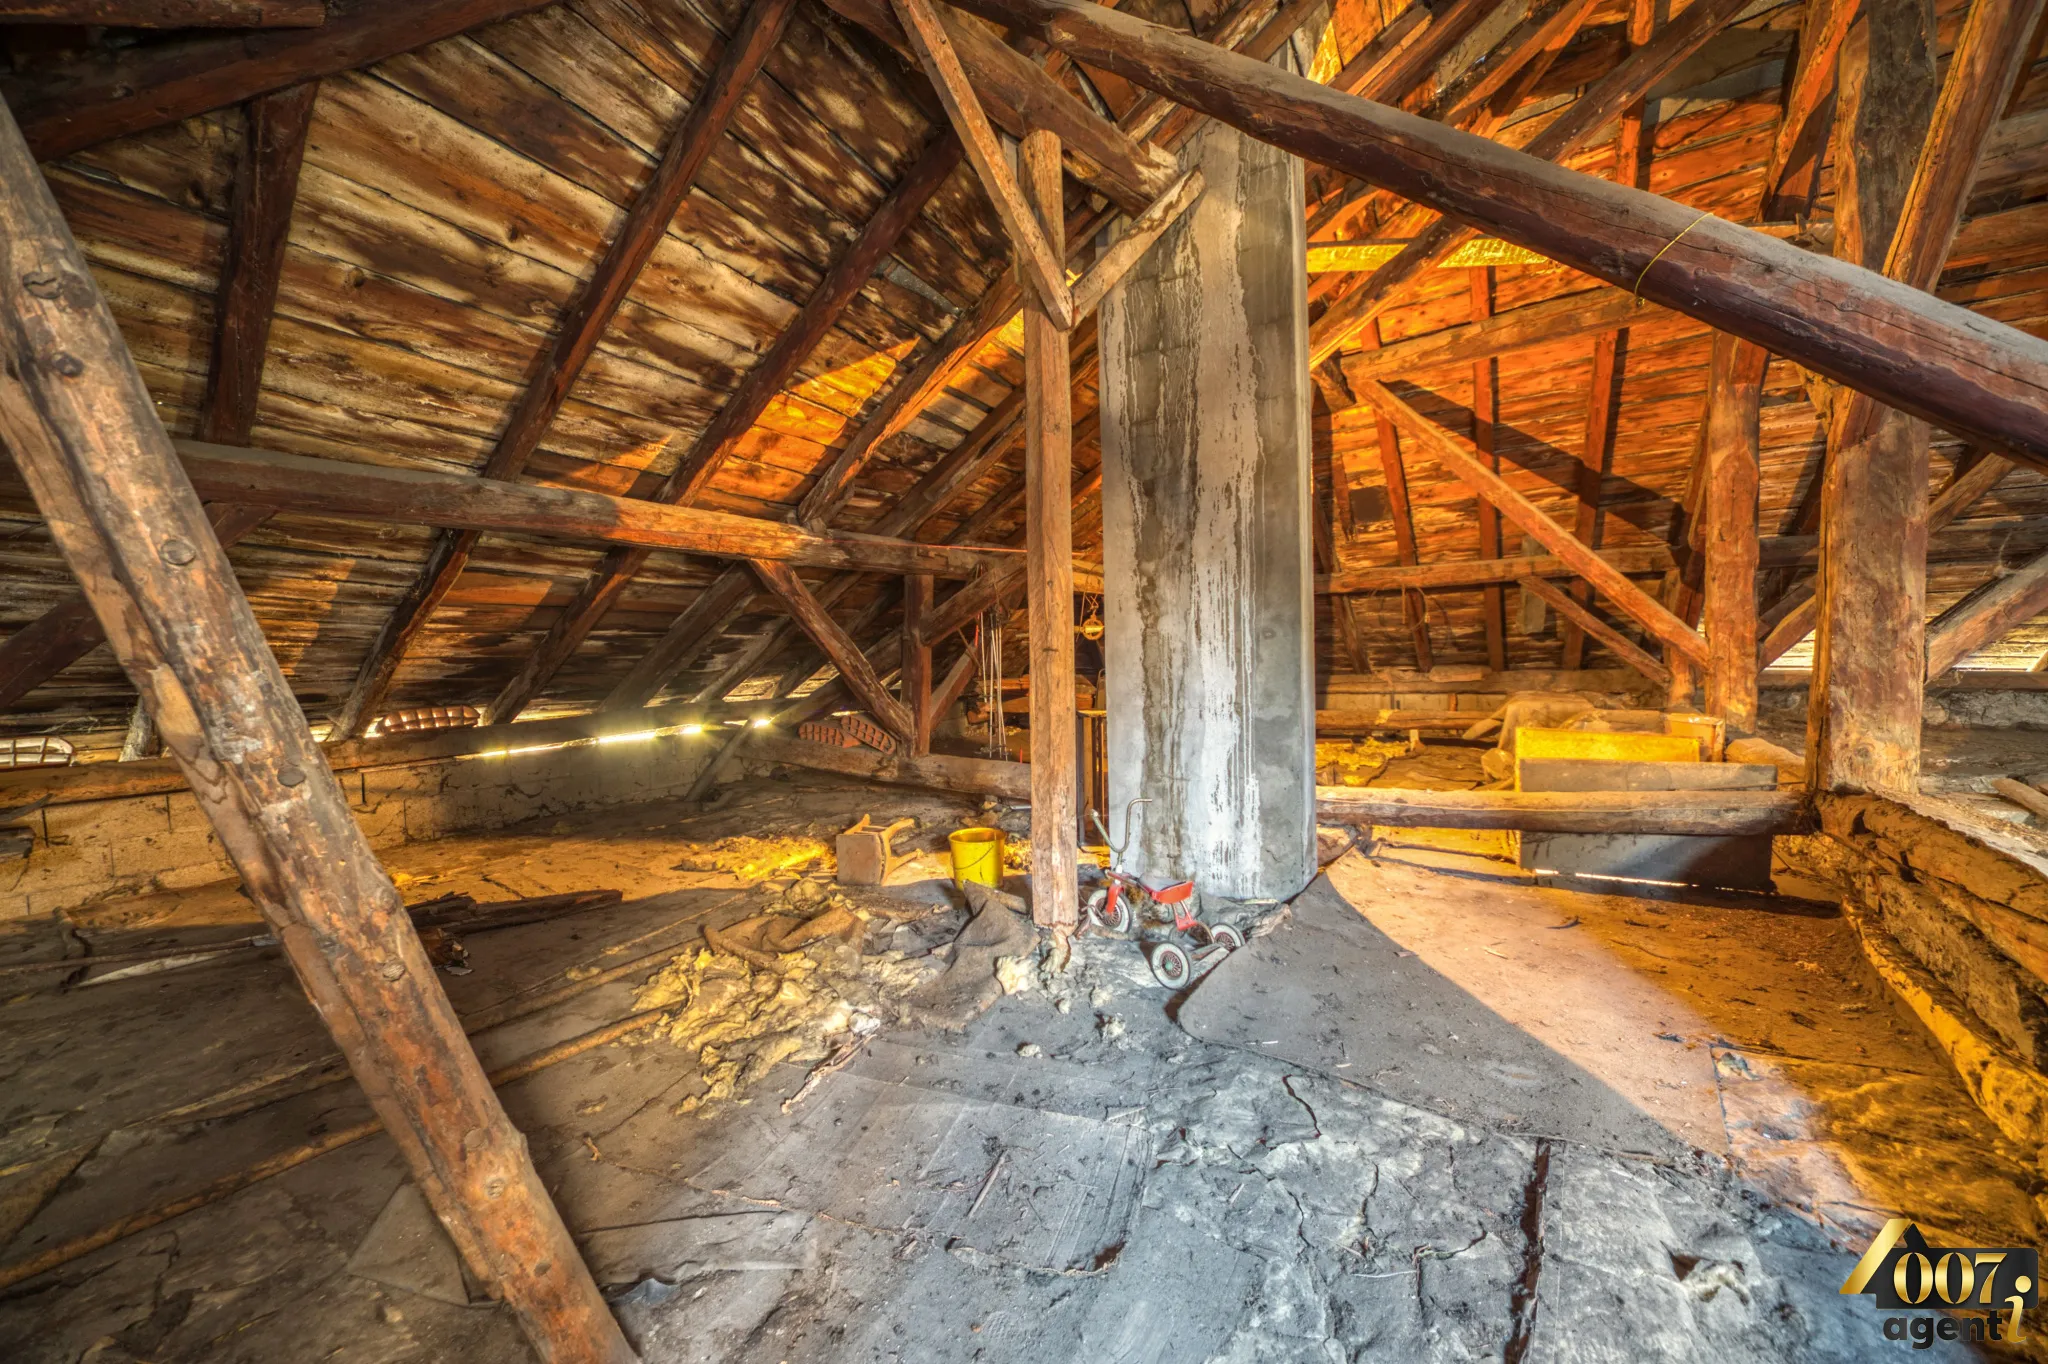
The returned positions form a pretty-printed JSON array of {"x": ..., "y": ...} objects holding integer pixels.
[
  {"x": 1533, "y": 324},
  {"x": 721, "y": 436},
  {"x": 1987, "y": 615},
  {"x": 1325, "y": 529},
  {"x": 1414, "y": 609},
  {"x": 1002, "y": 427},
  {"x": 63, "y": 107},
  {"x": 1018, "y": 94},
  {"x": 1792, "y": 177},
  {"x": 1795, "y": 618},
  {"x": 1043, "y": 264},
  {"x": 582, "y": 325},
  {"x": 259, "y": 214},
  {"x": 1462, "y": 573},
  {"x": 168, "y": 13},
  {"x": 84, "y": 433}
]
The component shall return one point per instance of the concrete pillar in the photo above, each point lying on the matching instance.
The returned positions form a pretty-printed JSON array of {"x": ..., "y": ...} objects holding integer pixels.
[{"x": 1206, "y": 540}]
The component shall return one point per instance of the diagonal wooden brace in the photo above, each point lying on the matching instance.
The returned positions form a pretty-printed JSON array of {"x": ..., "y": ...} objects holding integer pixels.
[
  {"x": 1042, "y": 264},
  {"x": 1129, "y": 249}
]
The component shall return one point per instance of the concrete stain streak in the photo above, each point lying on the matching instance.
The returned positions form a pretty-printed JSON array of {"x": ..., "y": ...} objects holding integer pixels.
[{"x": 1206, "y": 556}]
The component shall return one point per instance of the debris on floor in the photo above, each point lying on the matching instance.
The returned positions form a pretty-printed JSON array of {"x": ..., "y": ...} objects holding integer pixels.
[
  {"x": 754, "y": 859},
  {"x": 1355, "y": 762},
  {"x": 776, "y": 988}
]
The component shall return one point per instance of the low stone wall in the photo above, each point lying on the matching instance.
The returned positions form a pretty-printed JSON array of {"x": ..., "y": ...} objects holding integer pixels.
[
  {"x": 92, "y": 850},
  {"x": 1953, "y": 911}
]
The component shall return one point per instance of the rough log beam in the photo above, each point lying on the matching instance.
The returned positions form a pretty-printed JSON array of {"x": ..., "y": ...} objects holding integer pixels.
[
  {"x": 1479, "y": 102},
  {"x": 1972, "y": 375},
  {"x": 66, "y": 107},
  {"x": 719, "y": 438},
  {"x": 1557, "y": 812},
  {"x": 1393, "y": 67},
  {"x": 1864, "y": 709},
  {"x": 372, "y": 492},
  {"x": 1454, "y": 453},
  {"x": 1602, "y": 103},
  {"x": 582, "y": 325},
  {"x": 84, "y": 433}
]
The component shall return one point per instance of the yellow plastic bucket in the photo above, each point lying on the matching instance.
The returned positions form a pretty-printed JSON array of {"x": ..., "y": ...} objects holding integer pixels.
[{"x": 977, "y": 856}]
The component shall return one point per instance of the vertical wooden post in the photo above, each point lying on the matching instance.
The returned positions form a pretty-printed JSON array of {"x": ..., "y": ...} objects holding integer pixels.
[
  {"x": 1729, "y": 496},
  {"x": 1864, "y": 704},
  {"x": 84, "y": 433},
  {"x": 1603, "y": 407},
  {"x": 917, "y": 661},
  {"x": 1485, "y": 414},
  {"x": 1414, "y": 606},
  {"x": 1049, "y": 553},
  {"x": 1679, "y": 691}
]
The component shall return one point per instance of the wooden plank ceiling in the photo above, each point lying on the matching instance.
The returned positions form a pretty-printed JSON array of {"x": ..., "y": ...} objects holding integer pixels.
[{"x": 453, "y": 199}]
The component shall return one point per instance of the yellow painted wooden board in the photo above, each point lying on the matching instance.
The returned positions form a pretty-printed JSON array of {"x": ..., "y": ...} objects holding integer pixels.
[{"x": 1579, "y": 743}]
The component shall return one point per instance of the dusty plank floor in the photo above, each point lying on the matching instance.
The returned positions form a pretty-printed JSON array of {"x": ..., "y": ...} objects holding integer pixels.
[{"x": 1074, "y": 1176}]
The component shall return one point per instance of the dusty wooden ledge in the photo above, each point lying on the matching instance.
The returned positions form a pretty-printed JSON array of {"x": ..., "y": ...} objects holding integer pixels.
[
  {"x": 970, "y": 776},
  {"x": 1952, "y": 910},
  {"x": 1339, "y": 723},
  {"x": 2012, "y": 1095},
  {"x": 1592, "y": 812}
]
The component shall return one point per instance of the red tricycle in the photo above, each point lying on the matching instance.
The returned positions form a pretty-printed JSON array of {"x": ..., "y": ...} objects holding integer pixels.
[{"x": 1159, "y": 914}]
